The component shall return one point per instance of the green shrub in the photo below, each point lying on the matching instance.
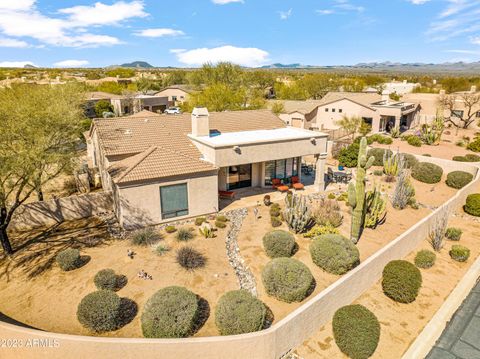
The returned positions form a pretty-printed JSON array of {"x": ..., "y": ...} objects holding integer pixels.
[
  {"x": 401, "y": 281},
  {"x": 276, "y": 221},
  {"x": 220, "y": 224},
  {"x": 459, "y": 253},
  {"x": 145, "y": 237},
  {"x": 458, "y": 179},
  {"x": 170, "y": 229},
  {"x": 472, "y": 204},
  {"x": 409, "y": 160},
  {"x": 279, "y": 243},
  {"x": 69, "y": 259},
  {"x": 331, "y": 196},
  {"x": 318, "y": 230},
  {"x": 378, "y": 154},
  {"x": 172, "y": 312},
  {"x": 100, "y": 311},
  {"x": 348, "y": 155},
  {"x": 184, "y": 234},
  {"x": 474, "y": 145},
  {"x": 274, "y": 211},
  {"x": 426, "y": 155},
  {"x": 200, "y": 220},
  {"x": 414, "y": 141},
  {"x": 334, "y": 253},
  {"x": 425, "y": 259},
  {"x": 287, "y": 279},
  {"x": 161, "y": 249},
  {"x": 454, "y": 234},
  {"x": 190, "y": 259},
  {"x": 378, "y": 172},
  {"x": 239, "y": 312},
  {"x": 427, "y": 172},
  {"x": 107, "y": 279},
  {"x": 356, "y": 331},
  {"x": 221, "y": 218},
  {"x": 342, "y": 197},
  {"x": 467, "y": 158}
]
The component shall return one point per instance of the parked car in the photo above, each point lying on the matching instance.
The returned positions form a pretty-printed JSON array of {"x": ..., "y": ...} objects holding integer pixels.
[{"x": 173, "y": 111}]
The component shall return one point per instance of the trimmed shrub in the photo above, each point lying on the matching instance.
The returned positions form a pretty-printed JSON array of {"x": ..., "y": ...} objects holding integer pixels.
[
  {"x": 409, "y": 160},
  {"x": 317, "y": 231},
  {"x": 458, "y": 179},
  {"x": 401, "y": 281},
  {"x": 414, "y": 141},
  {"x": 221, "y": 218},
  {"x": 378, "y": 154},
  {"x": 170, "y": 229},
  {"x": 100, "y": 311},
  {"x": 474, "y": 145},
  {"x": 331, "y": 196},
  {"x": 220, "y": 224},
  {"x": 184, "y": 234},
  {"x": 274, "y": 211},
  {"x": 356, "y": 331},
  {"x": 172, "y": 312},
  {"x": 279, "y": 243},
  {"x": 106, "y": 279},
  {"x": 425, "y": 259},
  {"x": 200, "y": 220},
  {"x": 348, "y": 155},
  {"x": 287, "y": 279},
  {"x": 459, "y": 253},
  {"x": 427, "y": 172},
  {"x": 467, "y": 158},
  {"x": 239, "y": 312},
  {"x": 276, "y": 221},
  {"x": 453, "y": 234},
  {"x": 69, "y": 259},
  {"x": 334, "y": 253},
  {"x": 145, "y": 237},
  {"x": 472, "y": 204},
  {"x": 190, "y": 259},
  {"x": 426, "y": 155}
]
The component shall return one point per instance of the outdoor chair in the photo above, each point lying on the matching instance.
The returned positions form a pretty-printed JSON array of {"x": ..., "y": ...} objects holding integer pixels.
[
  {"x": 296, "y": 183},
  {"x": 276, "y": 183}
]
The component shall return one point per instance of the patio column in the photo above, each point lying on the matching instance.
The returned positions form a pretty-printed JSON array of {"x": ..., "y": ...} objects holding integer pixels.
[{"x": 319, "y": 183}]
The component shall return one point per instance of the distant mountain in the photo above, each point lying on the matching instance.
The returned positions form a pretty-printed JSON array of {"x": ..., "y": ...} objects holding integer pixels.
[
  {"x": 28, "y": 66},
  {"x": 284, "y": 66},
  {"x": 138, "y": 64}
]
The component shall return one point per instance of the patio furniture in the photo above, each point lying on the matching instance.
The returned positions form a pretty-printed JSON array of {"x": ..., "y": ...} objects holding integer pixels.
[
  {"x": 331, "y": 176},
  {"x": 283, "y": 188},
  {"x": 296, "y": 183},
  {"x": 343, "y": 177},
  {"x": 227, "y": 195},
  {"x": 276, "y": 182}
]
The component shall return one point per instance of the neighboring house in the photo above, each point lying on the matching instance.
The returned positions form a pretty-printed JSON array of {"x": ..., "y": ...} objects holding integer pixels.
[
  {"x": 93, "y": 98},
  {"x": 400, "y": 88},
  {"x": 429, "y": 104},
  {"x": 126, "y": 105},
  {"x": 162, "y": 168},
  {"x": 176, "y": 94}
]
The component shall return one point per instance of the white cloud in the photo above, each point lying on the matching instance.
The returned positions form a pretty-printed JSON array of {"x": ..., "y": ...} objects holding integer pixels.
[
  {"x": 223, "y": 2},
  {"x": 5, "y": 42},
  {"x": 325, "y": 12},
  {"x": 284, "y": 15},
  {"x": 16, "y": 63},
  {"x": 16, "y": 4},
  {"x": 160, "y": 32},
  {"x": 418, "y": 2},
  {"x": 341, "y": 7},
  {"x": 71, "y": 63},
  {"x": 475, "y": 40},
  {"x": 176, "y": 51},
  {"x": 245, "y": 56},
  {"x": 468, "y": 52}
]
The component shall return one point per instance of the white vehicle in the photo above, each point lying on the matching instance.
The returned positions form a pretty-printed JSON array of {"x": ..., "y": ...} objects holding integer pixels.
[{"x": 173, "y": 111}]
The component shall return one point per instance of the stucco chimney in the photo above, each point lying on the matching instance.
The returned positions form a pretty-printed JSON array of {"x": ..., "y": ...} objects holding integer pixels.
[
  {"x": 473, "y": 89},
  {"x": 200, "y": 122},
  {"x": 386, "y": 95}
]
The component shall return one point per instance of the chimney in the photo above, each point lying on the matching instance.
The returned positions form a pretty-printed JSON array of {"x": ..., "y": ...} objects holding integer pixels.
[
  {"x": 473, "y": 89},
  {"x": 200, "y": 122},
  {"x": 386, "y": 96}
]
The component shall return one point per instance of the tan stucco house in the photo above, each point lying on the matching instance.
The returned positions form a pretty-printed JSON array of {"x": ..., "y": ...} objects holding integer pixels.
[
  {"x": 176, "y": 94},
  {"x": 162, "y": 168}
]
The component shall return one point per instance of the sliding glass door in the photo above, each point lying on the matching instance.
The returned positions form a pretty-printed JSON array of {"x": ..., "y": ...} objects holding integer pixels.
[
  {"x": 239, "y": 176},
  {"x": 281, "y": 169}
]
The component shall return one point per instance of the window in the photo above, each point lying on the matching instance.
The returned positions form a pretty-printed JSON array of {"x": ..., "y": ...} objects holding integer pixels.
[
  {"x": 333, "y": 110},
  {"x": 174, "y": 200},
  {"x": 281, "y": 169},
  {"x": 478, "y": 114},
  {"x": 457, "y": 113},
  {"x": 340, "y": 110},
  {"x": 326, "y": 109},
  {"x": 174, "y": 98},
  {"x": 239, "y": 176}
]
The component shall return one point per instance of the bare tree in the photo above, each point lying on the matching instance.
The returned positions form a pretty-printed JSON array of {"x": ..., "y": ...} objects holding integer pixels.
[{"x": 461, "y": 109}]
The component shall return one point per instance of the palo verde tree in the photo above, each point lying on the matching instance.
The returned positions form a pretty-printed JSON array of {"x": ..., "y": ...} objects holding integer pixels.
[{"x": 38, "y": 137}]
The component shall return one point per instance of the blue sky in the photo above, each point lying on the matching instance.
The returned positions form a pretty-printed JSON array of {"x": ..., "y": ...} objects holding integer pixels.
[{"x": 249, "y": 32}]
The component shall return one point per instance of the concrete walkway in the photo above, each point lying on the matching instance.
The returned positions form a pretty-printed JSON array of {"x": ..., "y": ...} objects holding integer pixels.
[{"x": 461, "y": 337}]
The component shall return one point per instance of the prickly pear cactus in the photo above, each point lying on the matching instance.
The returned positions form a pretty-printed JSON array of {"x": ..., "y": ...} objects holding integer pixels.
[
  {"x": 297, "y": 214},
  {"x": 356, "y": 192}
]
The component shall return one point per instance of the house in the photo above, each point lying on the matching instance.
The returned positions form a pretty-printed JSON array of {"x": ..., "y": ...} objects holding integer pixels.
[
  {"x": 400, "y": 88},
  {"x": 125, "y": 105},
  {"x": 177, "y": 94},
  {"x": 92, "y": 98},
  {"x": 162, "y": 168}
]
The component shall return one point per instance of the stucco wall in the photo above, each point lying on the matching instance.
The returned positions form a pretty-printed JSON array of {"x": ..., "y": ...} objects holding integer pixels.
[{"x": 181, "y": 95}]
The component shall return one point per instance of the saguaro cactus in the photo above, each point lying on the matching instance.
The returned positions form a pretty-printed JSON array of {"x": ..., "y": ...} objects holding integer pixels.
[{"x": 356, "y": 192}]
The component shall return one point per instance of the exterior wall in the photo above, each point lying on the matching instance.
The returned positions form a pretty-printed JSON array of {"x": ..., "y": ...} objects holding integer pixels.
[
  {"x": 294, "y": 119},
  {"x": 140, "y": 204},
  {"x": 181, "y": 95},
  {"x": 400, "y": 88}
]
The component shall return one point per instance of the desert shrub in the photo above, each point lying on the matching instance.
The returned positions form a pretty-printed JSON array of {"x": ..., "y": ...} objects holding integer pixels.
[
  {"x": 474, "y": 145},
  {"x": 331, "y": 196},
  {"x": 472, "y": 204},
  {"x": 327, "y": 212},
  {"x": 425, "y": 259},
  {"x": 453, "y": 234},
  {"x": 274, "y": 211},
  {"x": 342, "y": 197},
  {"x": 458, "y": 179},
  {"x": 107, "y": 279},
  {"x": 459, "y": 253},
  {"x": 184, "y": 234},
  {"x": 200, "y": 220},
  {"x": 317, "y": 231},
  {"x": 378, "y": 172},
  {"x": 161, "y": 249},
  {"x": 383, "y": 140},
  {"x": 239, "y": 312},
  {"x": 426, "y": 155},
  {"x": 414, "y": 141},
  {"x": 170, "y": 229},
  {"x": 409, "y": 160},
  {"x": 348, "y": 155},
  {"x": 401, "y": 281},
  {"x": 207, "y": 230},
  {"x": 69, "y": 259},
  {"x": 145, "y": 237},
  {"x": 356, "y": 331},
  {"x": 172, "y": 312},
  {"x": 378, "y": 154},
  {"x": 100, "y": 311},
  {"x": 334, "y": 253},
  {"x": 221, "y": 218},
  {"x": 190, "y": 259},
  {"x": 220, "y": 224},
  {"x": 427, "y": 172},
  {"x": 275, "y": 221},
  {"x": 287, "y": 279},
  {"x": 279, "y": 243},
  {"x": 467, "y": 158}
]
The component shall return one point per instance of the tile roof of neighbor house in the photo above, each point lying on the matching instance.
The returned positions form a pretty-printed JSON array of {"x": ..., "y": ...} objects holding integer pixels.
[
  {"x": 99, "y": 95},
  {"x": 158, "y": 146}
]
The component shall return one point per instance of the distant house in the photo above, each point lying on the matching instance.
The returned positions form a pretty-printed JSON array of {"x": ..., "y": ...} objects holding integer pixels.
[
  {"x": 400, "y": 88},
  {"x": 176, "y": 94},
  {"x": 162, "y": 168},
  {"x": 92, "y": 98},
  {"x": 125, "y": 104}
]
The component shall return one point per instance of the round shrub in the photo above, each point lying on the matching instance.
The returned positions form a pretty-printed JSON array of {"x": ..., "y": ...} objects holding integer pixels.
[
  {"x": 467, "y": 158},
  {"x": 274, "y": 211},
  {"x": 453, "y": 233},
  {"x": 474, "y": 145},
  {"x": 410, "y": 160},
  {"x": 334, "y": 253},
  {"x": 459, "y": 253},
  {"x": 221, "y": 218},
  {"x": 106, "y": 279},
  {"x": 287, "y": 279},
  {"x": 356, "y": 331},
  {"x": 184, "y": 234},
  {"x": 425, "y": 259},
  {"x": 239, "y": 312},
  {"x": 200, "y": 220},
  {"x": 100, "y": 311},
  {"x": 472, "y": 204},
  {"x": 276, "y": 221},
  {"x": 427, "y": 172},
  {"x": 69, "y": 259},
  {"x": 401, "y": 281},
  {"x": 348, "y": 155},
  {"x": 279, "y": 243},
  {"x": 378, "y": 154},
  {"x": 170, "y": 229},
  {"x": 172, "y": 312},
  {"x": 190, "y": 259},
  {"x": 458, "y": 179},
  {"x": 414, "y": 141},
  {"x": 145, "y": 237},
  {"x": 220, "y": 224}
]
